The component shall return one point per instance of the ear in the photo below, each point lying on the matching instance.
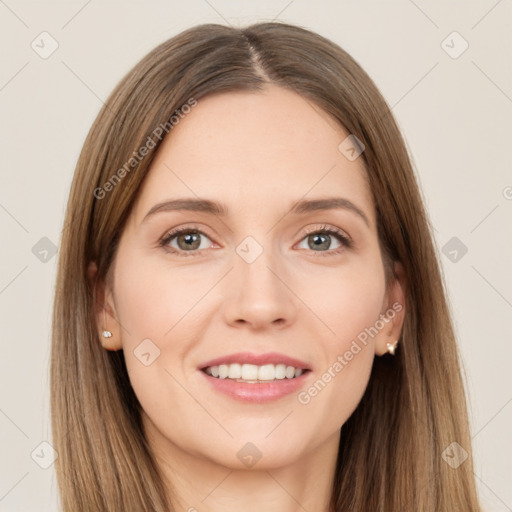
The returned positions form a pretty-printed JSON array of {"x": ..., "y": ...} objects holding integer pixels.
[
  {"x": 393, "y": 313},
  {"x": 104, "y": 309}
]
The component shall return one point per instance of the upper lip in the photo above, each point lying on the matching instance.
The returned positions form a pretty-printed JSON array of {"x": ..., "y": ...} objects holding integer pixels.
[{"x": 256, "y": 359}]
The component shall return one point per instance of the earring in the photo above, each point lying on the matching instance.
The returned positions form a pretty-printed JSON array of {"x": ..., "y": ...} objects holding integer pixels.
[
  {"x": 392, "y": 347},
  {"x": 105, "y": 333}
]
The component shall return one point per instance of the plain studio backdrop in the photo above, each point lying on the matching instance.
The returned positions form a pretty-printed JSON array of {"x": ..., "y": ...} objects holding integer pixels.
[{"x": 444, "y": 68}]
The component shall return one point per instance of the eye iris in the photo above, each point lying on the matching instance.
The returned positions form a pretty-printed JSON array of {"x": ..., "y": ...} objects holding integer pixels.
[
  {"x": 317, "y": 238},
  {"x": 191, "y": 236}
]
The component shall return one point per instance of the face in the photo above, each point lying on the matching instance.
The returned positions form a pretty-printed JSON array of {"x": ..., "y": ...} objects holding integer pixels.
[{"x": 265, "y": 283}]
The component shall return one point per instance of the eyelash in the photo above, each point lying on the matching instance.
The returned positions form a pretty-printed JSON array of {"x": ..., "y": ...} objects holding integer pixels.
[{"x": 340, "y": 235}]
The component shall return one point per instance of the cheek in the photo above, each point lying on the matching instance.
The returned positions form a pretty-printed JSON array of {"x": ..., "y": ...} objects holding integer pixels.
[
  {"x": 150, "y": 307},
  {"x": 350, "y": 310},
  {"x": 153, "y": 310},
  {"x": 151, "y": 299},
  {"x": 348, "y": 301},
  {"x": 142, "y": 305}
]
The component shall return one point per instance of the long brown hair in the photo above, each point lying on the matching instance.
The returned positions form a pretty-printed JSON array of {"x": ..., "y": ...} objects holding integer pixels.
[{"x": 391, "y": 454}]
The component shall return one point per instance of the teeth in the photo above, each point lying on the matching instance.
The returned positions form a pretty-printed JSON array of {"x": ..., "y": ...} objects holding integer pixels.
[
  {"x": 253, "y": 373},
  {"x": 249, "y": 372},
  {"x": 223, "y": 371},
  {"x": 290, "y": 372},
  {"x": 235, "y": 371},
  {"x": 267, "y": 372},
  {"x": 281, "y": 371}
]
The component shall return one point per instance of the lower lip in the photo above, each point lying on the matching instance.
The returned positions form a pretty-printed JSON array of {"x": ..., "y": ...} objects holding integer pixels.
[{"x": 265, "y": 392}]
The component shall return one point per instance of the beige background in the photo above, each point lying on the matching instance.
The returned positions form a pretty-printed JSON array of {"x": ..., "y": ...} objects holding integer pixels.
[{"x": 456, "y": 114}]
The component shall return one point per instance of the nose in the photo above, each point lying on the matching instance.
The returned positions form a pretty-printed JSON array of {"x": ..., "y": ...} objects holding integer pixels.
[{"x": 259, "y": 294}]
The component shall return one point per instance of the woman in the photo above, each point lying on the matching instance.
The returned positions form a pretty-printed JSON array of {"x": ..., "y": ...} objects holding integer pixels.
[{"x": 249, "y": 310}]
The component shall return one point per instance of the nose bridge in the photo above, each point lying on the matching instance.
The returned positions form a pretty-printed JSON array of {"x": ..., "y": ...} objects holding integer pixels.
[
  {"x": 256, "y": 264},
  {"x": 258, "y": 291}
]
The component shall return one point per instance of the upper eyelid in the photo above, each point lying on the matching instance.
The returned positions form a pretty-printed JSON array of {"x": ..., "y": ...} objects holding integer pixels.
[{"x": 178, "y": 230}]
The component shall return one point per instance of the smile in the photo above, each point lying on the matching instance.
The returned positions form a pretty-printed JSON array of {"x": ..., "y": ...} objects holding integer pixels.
[{"x": 253, "y": 374}]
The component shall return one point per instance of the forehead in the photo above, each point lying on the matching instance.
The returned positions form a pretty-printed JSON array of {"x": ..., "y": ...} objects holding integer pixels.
[{"x": 255, "y": 151}]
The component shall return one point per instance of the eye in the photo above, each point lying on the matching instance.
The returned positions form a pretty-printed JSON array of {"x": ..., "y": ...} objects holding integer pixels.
[
  {"x": 187, "y": 241},
  {"x": 321, "y": 238},
  {"x": 184, "y": 240}
]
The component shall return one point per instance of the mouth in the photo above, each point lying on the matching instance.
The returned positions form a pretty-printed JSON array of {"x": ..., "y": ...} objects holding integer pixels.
[
  {"x": 256, "y": 378},
  {"x": 254, "y": 374}
]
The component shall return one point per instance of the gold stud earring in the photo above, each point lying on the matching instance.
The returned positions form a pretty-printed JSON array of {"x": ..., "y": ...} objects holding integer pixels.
[
  {"x": 391, "y": 347},
  {"x": 105, "y": 333}
]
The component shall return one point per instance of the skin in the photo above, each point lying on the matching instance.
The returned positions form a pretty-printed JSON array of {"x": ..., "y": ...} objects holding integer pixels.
[{"x": 248, "y": 150}]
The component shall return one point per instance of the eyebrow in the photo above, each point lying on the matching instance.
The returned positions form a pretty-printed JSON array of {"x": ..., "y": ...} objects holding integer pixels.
[{"x": 216, "y": 208}]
